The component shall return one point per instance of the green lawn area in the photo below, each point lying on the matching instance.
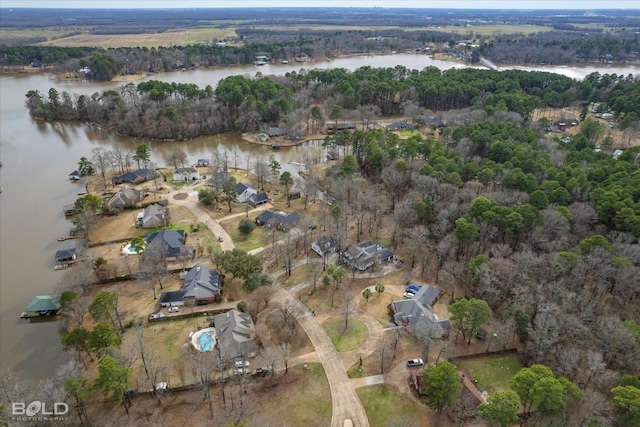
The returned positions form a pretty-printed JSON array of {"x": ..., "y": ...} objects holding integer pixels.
[
  {"x": 347, "y": 340},
  {"x": 385, "y": 405},
  {"x": 181, "y": 226},
  {"x": 492, "y": 373},
  {"x": 246, "y": 242},
  {"x": 307, "y": 404}
]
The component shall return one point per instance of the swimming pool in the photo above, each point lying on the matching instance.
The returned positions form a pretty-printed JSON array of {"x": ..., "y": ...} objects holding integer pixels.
[
  {"x": 204, "y": 339},
  {"x": 128, "y": 250}
]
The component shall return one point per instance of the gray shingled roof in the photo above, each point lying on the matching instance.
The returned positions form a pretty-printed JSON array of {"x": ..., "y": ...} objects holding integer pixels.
[
  {"x": 201, "y": 282},
  {"x": 235, "y": 332}
]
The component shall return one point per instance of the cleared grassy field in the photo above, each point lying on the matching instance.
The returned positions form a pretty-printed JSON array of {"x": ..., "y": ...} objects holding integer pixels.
[
  {"x": 492, "y": 373},
  {"x": 168, "y": 38},
  {"x": 493, "y": 30},
  {"x": 48, "y": 33},
  {"x": 345, "y": 340},
  {"x": 385, "y": 406},
  {"x": 303, "y": 400}
]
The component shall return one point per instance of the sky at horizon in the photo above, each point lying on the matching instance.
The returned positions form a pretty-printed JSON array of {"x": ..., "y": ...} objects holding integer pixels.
[{"x": 423, "y": 4}]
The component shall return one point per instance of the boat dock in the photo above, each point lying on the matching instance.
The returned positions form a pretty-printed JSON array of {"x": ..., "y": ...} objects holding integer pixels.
[{"x": 42, "y": 306}]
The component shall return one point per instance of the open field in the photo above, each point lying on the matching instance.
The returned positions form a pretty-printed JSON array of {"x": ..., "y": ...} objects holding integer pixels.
[
  {"x": 386, "y": 406},
  {"x": 31, "y": 33},
  {"x": 168, "y": 38},
  {"x": 492, "y": 373},
  {"x": 349, "y": 339},
  {"x": 492, "y": 30}
]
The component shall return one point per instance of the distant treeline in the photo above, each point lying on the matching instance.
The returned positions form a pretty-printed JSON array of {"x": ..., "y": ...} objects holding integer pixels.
[{"x": 183, "y": 111}]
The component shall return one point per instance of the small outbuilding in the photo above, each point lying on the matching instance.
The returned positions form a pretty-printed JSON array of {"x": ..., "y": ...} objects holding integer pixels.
[{"x": 42, "y": 305}]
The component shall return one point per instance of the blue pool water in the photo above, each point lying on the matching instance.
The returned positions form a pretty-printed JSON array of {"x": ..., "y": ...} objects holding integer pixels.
[{"x": 205, "y": 341}]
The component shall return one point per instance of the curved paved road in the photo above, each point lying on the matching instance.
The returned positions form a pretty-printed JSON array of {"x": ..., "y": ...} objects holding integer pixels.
[{"x": 344, "y": 400}]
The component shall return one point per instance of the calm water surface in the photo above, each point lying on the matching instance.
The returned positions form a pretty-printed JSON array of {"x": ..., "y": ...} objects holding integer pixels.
[{"x": 38, "y": 156}]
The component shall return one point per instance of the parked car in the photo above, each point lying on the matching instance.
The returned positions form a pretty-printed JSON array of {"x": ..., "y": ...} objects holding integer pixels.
[
  {"x": 481, "y": 334},
  {"x": 409, "y": 294},
  {"x": 264, "y": 370},
  {"x": 157, "y": 315},
  {"x": 413, "y": 288},
  {"x": 242, "y": 363},
  {"x": 174, "y": 309},
  {"x": 414, "y": 362},
  {"x": 220, "y": 239},
  {"x": 241, "y": 371},
  {"x": 161, "y": 386}
]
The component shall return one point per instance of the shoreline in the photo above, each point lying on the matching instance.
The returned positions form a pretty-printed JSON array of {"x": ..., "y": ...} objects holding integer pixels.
[{"x": 26, "y": 69}]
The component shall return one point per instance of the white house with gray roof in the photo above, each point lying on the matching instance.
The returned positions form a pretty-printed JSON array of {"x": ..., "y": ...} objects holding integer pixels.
[{"x": 186, "y": 174}]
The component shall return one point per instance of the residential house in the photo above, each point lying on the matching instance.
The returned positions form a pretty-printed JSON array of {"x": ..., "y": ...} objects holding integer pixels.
[
  {"x": 279, "y": 220},
  {"x": 325, "y": 245},
  {"x": 186, "y": 174},
  {"x": 153, "y": 216},
  {"x": 74, "y": 176},
  {"x": 258, "y": 199},
  {"x": 201, "y": 285},
  {"x": 403, "y": 125},
  {"x": 244, "y": 192},
  {"x": 434, "y": 122},
  {"x": 125, "y": 198},
  {"x": 265, "y": 217},
  {"x": 363, "y": 255},
  {"x": 169, "y": 243},
  {"x": 235, "y": 335},
  {"x": 219, "y": 180},
  {"x": 136, "y": 177},
  {"x": 285, "y": 221},
  {"x": 203, "y": 162},
  {"x": 65, "y": 255},
  {"x": 409, "y": 311},
  {"x": 275, "y": 131}
]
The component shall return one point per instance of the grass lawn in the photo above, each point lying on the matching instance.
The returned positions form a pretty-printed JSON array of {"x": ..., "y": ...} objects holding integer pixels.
[
  {"x": 246, "y": 242},
  {"x": 384, "y": 404},
  {"x": 347, "y": 340},
  {"x": 306, "y": 404},
  {"x": 492, "y": 373}
]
